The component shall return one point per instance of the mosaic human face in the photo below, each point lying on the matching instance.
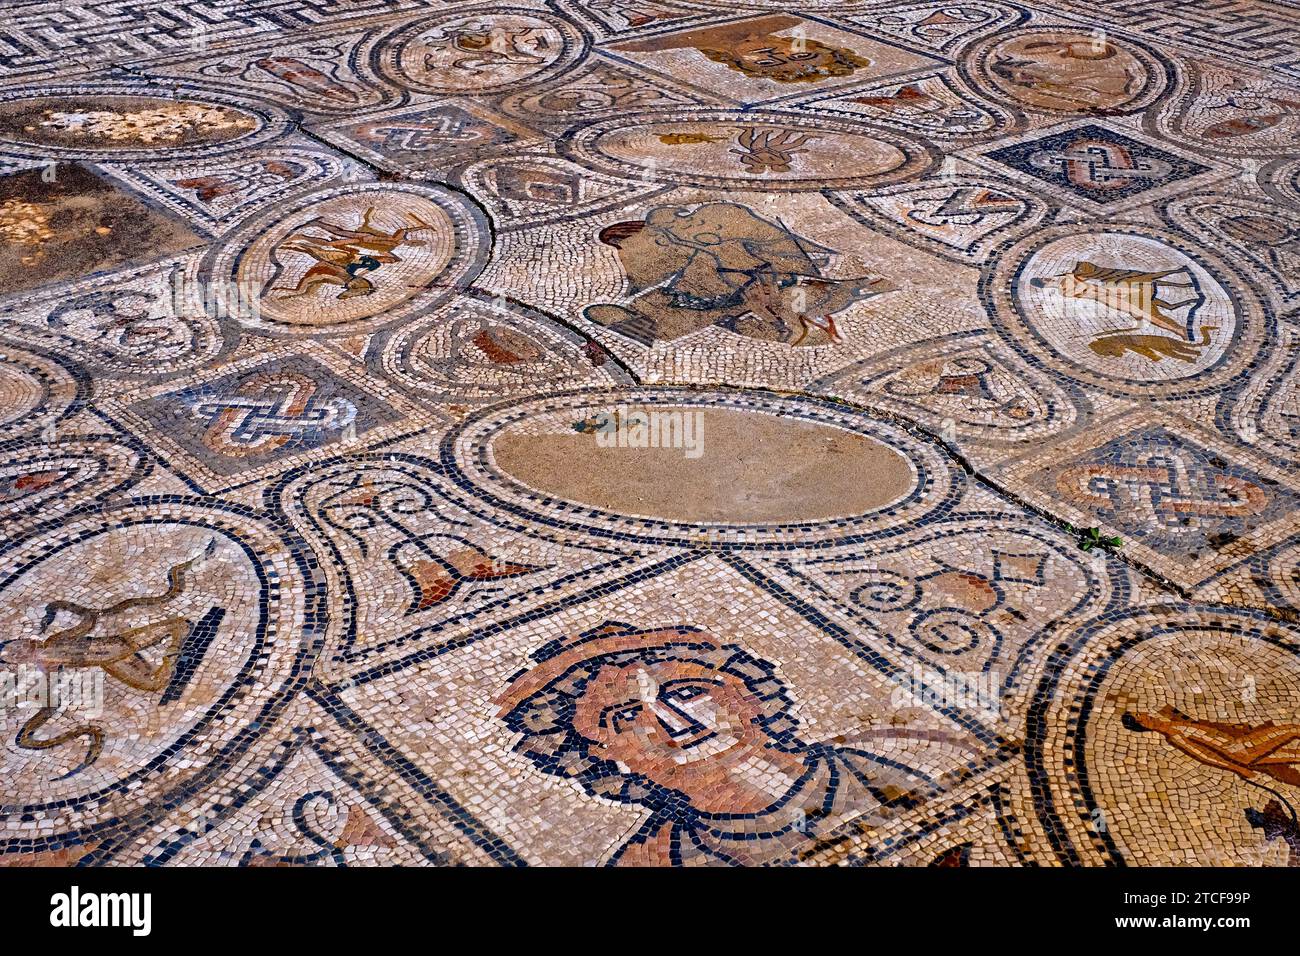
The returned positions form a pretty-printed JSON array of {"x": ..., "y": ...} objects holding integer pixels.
[{"x": 677, "y": 723}]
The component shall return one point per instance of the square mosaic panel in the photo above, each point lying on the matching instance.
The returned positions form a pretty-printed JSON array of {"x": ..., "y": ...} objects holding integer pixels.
[
  {"x": 264, "y": 414},
  {"x": 1187, "y": 503},
  {"x": 540, "y": 675},
  {"x": 1173, "y": 495},
  {"x": 1096, "y": 163}
]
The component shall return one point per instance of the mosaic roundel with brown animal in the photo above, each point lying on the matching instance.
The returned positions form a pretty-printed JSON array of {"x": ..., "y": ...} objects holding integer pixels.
[
  {"x": 145, "y": 635},
  {"x": 348, "y": 259},
  {"x": 1066, "y": 70},
  {"x": 1130, "y": 310}
]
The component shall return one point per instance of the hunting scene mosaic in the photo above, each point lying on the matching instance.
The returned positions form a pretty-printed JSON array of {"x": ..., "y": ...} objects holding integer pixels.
[{"x": 650, "y": 433}]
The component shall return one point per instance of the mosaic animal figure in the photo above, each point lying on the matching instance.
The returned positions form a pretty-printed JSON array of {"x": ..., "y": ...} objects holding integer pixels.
[
  {"x": 1255, "y": 122},
  {"x": 1151, "y": 347},
  {"x": 1062, "y": 69},
  {"x": 119, "y": 653},
  {"x": 344, "y": 259},
  {"x": 1132, "y": 292}
]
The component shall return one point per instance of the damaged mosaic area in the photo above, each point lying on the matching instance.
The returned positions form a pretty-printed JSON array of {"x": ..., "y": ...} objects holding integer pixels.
[{"x": 650, "y": 432}]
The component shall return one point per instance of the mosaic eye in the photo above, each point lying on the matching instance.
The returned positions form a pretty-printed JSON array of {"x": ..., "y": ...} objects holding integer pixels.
[
  {"x": 690, "y": 692},
  {"x": 625, "y": 717}
]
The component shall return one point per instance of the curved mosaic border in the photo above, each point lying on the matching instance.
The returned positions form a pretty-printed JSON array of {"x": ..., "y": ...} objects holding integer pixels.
[
  {"x": 465, "y": 456},
  {"x": 1253, "y": 334},
  {"x": 273, "y": 122}
]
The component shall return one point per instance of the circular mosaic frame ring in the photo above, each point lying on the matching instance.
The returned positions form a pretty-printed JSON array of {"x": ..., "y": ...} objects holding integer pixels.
[
  {"x": 268, "y": 122},
  {"x": 203, "y": 728},
  {"x": 254, "y": 245},
  {"x": 1090, "y": 680},
  {"x": 502, "y": 499},
  {"x": 1002, "y": 287},
  {"x": 386, "y": 57},
  {"x": 974, "y": 68},
  {"x": 779, "y": 137}
]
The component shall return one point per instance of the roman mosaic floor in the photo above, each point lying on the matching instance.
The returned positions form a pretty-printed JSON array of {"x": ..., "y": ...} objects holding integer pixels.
[{"x": 650, "y": 432}]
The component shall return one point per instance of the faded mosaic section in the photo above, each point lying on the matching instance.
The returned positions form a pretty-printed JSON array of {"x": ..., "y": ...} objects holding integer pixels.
[{"x": 639, "y": 433}]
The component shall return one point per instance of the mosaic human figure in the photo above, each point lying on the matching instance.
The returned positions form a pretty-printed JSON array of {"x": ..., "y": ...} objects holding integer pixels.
[
  {"x": 1247, "y": 750},
  {"x": 699, "y": 731},
  {"x": 721, "y": 264},
  {"x": 1250, "y": 751}
]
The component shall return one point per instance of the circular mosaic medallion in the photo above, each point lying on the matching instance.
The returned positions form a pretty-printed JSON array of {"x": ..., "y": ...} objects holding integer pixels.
[
  {"x": 1170, "y": 737},
  {"x": 1065, "y": 70},
  {"x": 176, "y": 630},
  {"x": 480, "y": 51},
  {"x": 749, "y": 150},
  {"x": 117, "y": 122},
  {"x": 685, "y": 467},
  {"x": 349, "y": 259},
  {"x": 470, "y": 352},
  {"x": 1129, "y": 309}
]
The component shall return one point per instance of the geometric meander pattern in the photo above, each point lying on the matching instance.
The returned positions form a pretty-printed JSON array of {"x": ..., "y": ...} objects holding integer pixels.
[{"x": 613, "y": 432}]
